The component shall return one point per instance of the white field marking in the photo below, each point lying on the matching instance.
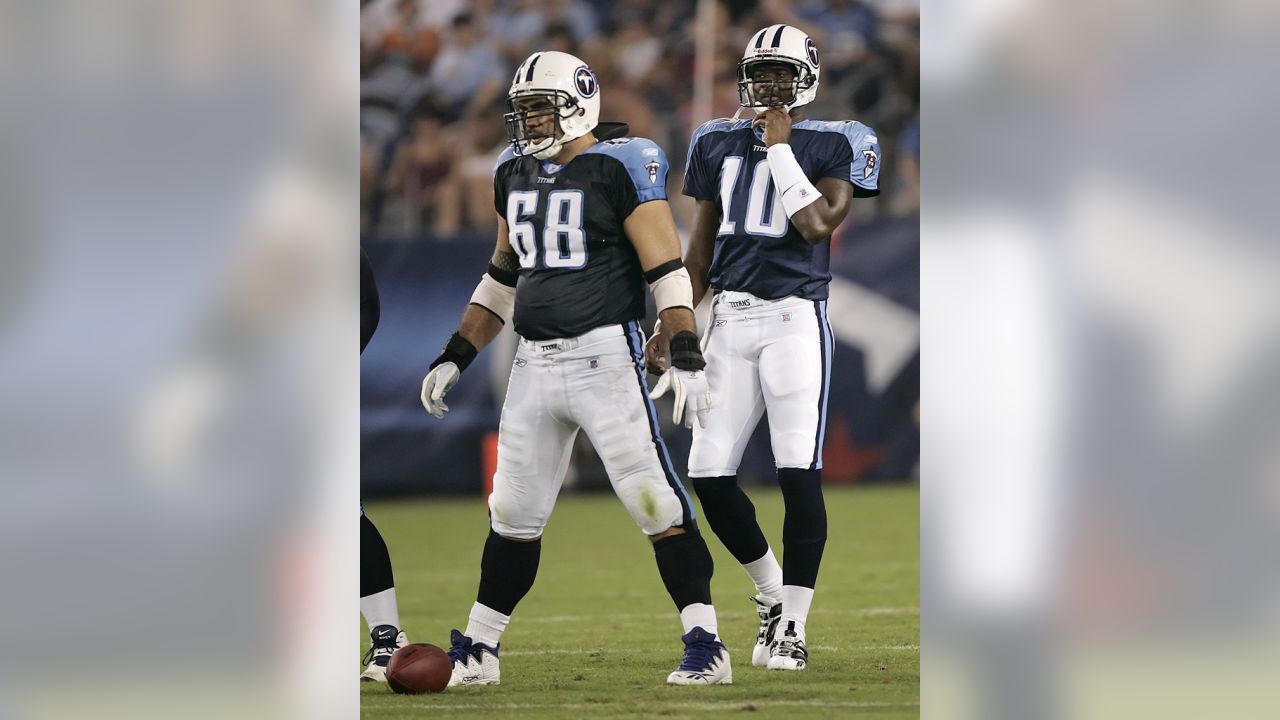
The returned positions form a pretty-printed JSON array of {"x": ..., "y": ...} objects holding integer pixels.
[
  {"x": 910, "y": 610},
  {"x": 635, "y": 650},
  {"x": 700, "y": 705}
]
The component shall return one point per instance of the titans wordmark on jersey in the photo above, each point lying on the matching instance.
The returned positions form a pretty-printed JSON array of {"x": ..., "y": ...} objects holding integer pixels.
[
  {"x": 578, "y": 270},
  {"x": 757, "y": 250}
]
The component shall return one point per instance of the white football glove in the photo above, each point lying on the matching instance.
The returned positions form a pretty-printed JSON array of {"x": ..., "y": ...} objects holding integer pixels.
[
  {"x": 692, "y": 395},
  {"x": 438, "y": 382}
]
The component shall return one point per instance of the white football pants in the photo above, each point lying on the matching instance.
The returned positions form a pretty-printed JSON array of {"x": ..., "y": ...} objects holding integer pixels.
[
  {"x": 594, "y": 382},
  {"x": 762, "y": 355}
]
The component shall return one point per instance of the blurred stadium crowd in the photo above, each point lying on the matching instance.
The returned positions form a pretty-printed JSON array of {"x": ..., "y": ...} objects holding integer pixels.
[{"x": 434, "y": 75}]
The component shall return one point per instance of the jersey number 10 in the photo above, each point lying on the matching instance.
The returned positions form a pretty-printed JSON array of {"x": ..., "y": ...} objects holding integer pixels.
[
  {"x": 765, "y": 214},
  {"x": 564, "y": 242}
]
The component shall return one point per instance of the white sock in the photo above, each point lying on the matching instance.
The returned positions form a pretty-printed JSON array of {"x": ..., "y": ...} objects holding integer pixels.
[
  {"x": 380, "y": 609},
  {"x": 795, "y": 606},
  {"x": 699, "y": 615},
  {"x": 486, "y": 625},
  {"x": 766, "y": 573}
]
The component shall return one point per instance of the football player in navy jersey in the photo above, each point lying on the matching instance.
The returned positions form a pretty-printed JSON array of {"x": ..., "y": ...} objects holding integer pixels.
[
  {"x": 583, "y": 225},
  {"x": 770, "y": 190}
]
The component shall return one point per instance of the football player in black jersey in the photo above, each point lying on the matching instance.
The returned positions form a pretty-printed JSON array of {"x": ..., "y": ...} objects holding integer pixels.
[
  {"x": 377, "y": 584},
  {"x": 583, "y": 226}
]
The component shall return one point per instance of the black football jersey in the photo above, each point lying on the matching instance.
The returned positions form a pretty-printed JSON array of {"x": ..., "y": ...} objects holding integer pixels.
[{"x": 578, "y": 270}]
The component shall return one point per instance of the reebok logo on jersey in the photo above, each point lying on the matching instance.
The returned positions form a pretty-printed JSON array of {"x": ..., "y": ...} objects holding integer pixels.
[{"x": 545, "y": 179}]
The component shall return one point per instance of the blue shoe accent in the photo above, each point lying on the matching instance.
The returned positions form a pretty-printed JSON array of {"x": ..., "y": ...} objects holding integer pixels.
[
  {"x": 463, "y": 648},
  {"x": 701, "y": 648}
]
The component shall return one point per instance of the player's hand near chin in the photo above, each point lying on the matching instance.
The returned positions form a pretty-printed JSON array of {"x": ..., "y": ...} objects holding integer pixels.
[{"x": 776, "y": 122}]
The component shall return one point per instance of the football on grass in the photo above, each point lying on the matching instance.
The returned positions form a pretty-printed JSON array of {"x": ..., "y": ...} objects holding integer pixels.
[{"x": 419, "y": 668}]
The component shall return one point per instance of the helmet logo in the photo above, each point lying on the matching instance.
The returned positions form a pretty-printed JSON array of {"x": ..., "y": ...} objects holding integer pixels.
[
  {"x": 585, "y": 80},
  {"x": 812, "y": 50}
]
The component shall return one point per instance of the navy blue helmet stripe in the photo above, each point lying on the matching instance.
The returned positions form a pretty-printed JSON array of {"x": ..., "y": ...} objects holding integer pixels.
[
  {"x": 528, "y": 76},
  {"x": 636, "y": 343},
  {"x": 777, "y": 37},
  {"x": 760, "y": 38}
]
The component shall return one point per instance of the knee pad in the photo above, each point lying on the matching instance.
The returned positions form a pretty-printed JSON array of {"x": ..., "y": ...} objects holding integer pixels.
[
  {"x": 510, "y": 519},
  {"x": 653, "y": 504}
]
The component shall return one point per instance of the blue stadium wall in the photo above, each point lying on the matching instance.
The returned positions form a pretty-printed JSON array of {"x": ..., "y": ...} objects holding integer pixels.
[{"x": 872, "y": 432}]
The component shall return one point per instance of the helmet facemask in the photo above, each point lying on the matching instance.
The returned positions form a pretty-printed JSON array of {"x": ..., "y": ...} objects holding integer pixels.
[
  {"x": 526, "y": 128},
  {"x": 760, "y": 94}
]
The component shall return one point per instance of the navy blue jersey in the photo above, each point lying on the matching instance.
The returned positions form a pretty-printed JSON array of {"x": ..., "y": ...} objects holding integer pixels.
[
  {"x": 578, "y": 270},
  {"x": 757, "y": 250}
]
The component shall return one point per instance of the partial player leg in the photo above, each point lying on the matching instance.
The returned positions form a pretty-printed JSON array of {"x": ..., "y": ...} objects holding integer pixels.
[
  {"x": 732, "y": 517},
  {"x": 611, "y": 401},
  {"x": 378, "y": 602},
  {"x": 732, "y": 373},
  {"x": 794, "y": 374},
  {"x": 533, "y": 455},
  {"x": 686, "y": 567}
]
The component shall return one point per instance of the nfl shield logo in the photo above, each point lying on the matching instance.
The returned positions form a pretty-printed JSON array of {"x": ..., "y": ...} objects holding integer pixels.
[
  {"x": 594, "y": 363},
  {"x": 786, "y": 317}
]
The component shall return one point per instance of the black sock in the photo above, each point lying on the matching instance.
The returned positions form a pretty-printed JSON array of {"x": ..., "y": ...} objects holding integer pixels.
[
  {"x": 507, "y": 570},
  {"x": 686, "y": 566},
  {"x": 375, "y": 561},
  {"x": 732, "y": 517},
  {"x": 804, "y": 531}
]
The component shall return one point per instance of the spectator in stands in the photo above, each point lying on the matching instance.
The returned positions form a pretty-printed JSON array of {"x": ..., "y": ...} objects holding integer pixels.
[
  {"x": 480, "y": 141},
  {"x": 461, "y": 54},
  {"x": 416, "y": 181},
  {"x": 467, "y": 73}
]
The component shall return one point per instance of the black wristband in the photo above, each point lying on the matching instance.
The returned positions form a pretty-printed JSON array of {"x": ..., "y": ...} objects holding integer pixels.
[
  {"x": 458, "y": 351},
  {"x": 685, "y": 352}
]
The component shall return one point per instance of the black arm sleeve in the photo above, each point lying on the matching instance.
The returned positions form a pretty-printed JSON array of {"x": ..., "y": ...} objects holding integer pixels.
[{"x": 370, "y": 307}]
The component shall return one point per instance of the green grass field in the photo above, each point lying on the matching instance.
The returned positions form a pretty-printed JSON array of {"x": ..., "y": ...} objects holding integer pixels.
[{"x": 598, "y": 634}]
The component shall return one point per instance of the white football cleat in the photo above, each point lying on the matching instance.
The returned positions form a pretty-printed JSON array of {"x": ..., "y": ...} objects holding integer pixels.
[
  {"x": 769, "y": 611},
  {"x": 789, "y": 652},
  {"x": 386, "y": 639},
  {"x": 706, "y": 661},
  {"x": 473, "y": 663}
]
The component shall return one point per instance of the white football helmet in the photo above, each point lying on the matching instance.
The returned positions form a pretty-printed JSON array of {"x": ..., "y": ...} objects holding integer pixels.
[
  {"x": 575, "y": 98},
  {"x": 780, "y": 44}
]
